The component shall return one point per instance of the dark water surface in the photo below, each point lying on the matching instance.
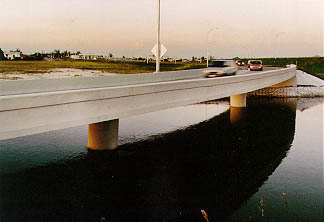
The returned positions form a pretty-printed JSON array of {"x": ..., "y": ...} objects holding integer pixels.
[{"x": 262, "y": 163}]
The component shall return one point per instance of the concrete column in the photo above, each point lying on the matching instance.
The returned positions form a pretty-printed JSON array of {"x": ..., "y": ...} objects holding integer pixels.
[
  {"x": 103, "y": 135},
  {"x": 290, "y": 82},
  {"x": 238, "y": 100}
]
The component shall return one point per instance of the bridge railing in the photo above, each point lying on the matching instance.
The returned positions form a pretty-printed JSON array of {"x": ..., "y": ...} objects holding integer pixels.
[
  {"x": 16, "y": 87},
  {"x": 13, "y": 87}
]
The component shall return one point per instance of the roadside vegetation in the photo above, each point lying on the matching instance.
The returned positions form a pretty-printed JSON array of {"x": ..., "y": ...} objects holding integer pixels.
[
  {"x": 122, "y": 67},
  {"x": 311, "y": 65}
]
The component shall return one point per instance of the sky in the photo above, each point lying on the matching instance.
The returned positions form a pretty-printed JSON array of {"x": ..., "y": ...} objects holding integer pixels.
[{"x": 224, "y": 29}]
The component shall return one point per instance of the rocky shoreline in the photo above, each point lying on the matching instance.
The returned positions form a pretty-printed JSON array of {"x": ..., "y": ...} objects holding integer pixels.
[
  {"x": 289, "y": 92},
  {"x": 308, "y": 86}
]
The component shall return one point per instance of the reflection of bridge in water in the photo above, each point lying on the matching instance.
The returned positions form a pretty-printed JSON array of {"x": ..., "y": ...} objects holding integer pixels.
[{"x": 214, "y": 165}]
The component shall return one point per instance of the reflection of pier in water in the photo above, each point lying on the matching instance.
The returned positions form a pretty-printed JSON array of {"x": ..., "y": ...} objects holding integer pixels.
[{"x": 213, "y": 165}]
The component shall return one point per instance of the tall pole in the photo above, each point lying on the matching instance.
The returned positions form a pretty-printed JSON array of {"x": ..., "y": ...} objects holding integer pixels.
[
  {"x": 207, "y": 53},
  {"x": 158, "y": 41},
  {"x": 207, "y": 46},
  {"x": 207, "y": 35}
]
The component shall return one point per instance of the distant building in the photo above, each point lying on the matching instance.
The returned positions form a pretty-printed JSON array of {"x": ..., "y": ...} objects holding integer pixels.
[
  {"x": 76, "y": 57},
  {"x": 12, "y": 55},
  {"x": 87, "y": 57}
]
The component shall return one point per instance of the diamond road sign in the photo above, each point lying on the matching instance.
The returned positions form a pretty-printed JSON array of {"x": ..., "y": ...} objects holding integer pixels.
[{"x": 155, "y": 50}]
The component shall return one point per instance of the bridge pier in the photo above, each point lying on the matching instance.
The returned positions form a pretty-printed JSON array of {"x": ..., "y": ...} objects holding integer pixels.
[
  {"x": 103, "y": 135},
  {"x": 238, "y": 100},
  {"x": 237, "y": 108}
]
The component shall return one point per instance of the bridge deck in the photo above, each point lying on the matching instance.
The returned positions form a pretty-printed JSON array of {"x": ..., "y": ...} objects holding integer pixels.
[{"x": 40, "y": 109}]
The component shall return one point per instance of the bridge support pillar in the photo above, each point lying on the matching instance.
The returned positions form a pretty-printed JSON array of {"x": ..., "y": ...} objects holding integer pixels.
[
  {"x": 238, "y": 100},
  {"x": 103, "y": 135}
]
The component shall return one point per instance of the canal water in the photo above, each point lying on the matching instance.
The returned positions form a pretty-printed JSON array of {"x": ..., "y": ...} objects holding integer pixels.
[{"x": 260, "y": 163}]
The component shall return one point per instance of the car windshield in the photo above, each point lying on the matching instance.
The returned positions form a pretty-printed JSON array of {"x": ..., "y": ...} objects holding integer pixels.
[
  {"x": 218, "y": 64},
  {"x": 255, "y": 62}
]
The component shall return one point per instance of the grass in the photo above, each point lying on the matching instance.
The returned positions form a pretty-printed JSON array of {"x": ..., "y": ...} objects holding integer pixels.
[
  {"x": 312, "y": 65},
  {"x": 121, "y": 67}
]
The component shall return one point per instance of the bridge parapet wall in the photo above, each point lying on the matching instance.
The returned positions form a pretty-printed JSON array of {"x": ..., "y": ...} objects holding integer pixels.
[{"x": 14, "y": 87}]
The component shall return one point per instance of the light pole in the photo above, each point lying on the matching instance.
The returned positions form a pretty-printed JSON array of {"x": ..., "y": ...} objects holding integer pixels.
[
  {"x": 207, "y": 35},
  {"x": 158, "y": 41},
  {"x": 278, "y": 39}
]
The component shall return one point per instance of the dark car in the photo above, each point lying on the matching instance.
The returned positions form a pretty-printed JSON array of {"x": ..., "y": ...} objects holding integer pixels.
[{"x": 239, "y": 62}]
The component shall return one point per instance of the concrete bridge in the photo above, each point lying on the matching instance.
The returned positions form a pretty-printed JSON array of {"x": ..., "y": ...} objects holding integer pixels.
[{"x": 34, "y": 106}]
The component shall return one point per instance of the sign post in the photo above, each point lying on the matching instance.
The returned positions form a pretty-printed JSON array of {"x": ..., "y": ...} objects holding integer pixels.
[{"x": 158, "y": 56}]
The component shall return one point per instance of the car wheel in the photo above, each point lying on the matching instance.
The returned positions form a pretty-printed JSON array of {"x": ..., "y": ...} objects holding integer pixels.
[{"x": 261, "y": 69}]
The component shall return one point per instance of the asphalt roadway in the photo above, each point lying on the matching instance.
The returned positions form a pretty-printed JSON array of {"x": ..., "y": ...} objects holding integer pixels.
[{"x": 243, "y": 70}]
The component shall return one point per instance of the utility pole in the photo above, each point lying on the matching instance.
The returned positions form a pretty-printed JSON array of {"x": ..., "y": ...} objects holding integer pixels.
[
  {"x": 158, "y": 57},
  {"x": 207, "y": 35}
]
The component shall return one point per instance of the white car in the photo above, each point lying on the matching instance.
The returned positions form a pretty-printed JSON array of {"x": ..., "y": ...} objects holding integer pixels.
[
  {"x": 255, "y": 65},
  {"x": 220, "y": 67}
]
